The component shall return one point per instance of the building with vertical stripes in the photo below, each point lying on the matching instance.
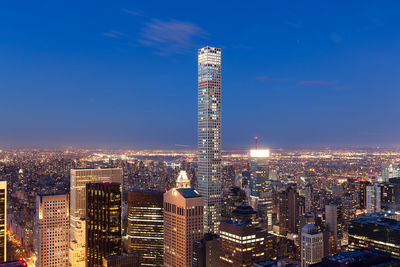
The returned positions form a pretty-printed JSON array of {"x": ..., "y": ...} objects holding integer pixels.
[{"x": 209, "y": 135}]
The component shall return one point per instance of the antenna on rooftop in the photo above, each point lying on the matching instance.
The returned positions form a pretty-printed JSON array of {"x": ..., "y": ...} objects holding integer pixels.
[{"x": 256, "y": 140}]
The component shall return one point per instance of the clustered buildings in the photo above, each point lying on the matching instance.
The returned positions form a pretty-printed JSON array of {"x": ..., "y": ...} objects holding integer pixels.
[{"x": 298, "y": 209}]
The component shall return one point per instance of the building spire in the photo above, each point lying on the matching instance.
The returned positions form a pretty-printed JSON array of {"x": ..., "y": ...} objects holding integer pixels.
[{"x": 182, "y": 181}]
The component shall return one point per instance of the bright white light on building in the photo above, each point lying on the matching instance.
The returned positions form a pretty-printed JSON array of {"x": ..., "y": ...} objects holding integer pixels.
[{"x": 259, "y": 153}]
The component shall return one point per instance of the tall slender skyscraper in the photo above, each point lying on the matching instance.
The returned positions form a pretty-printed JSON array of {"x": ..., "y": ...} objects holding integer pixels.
[
  {"x": 79, "y": 179},
  {"x": 52, "y": 230},
  {"x": 3, "y": 220},
  {"x": 209, "y": 135}
]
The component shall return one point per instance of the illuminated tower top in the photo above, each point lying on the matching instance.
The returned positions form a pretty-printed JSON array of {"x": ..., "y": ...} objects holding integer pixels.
[{"x": 182, "y": 181}]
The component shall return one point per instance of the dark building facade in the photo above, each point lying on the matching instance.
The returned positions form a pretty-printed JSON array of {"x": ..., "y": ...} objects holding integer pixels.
[
  {"x": 206, "y": 251},
  {"x": 103, "y": 222},
  {"x": 390, "y": 195},
  {"x": 146, "y": 226},
  {"x": 290, "y": 207},
  {"x": 363, "y": 194},
  {"x": 235, "y": 197},
  {"x": 125, "y": 260}
]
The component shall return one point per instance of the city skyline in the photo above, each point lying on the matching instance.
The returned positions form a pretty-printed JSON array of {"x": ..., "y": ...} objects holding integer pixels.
[
  {"x": 310, "y": 75},
  {"x": 297, "y": 161}
]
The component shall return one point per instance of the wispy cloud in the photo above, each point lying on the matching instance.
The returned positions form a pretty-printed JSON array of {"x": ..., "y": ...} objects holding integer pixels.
[
  {"x": 132, "y": 12},
  {"x": 171, "y": 37},
  {"x": 269, "y": 79},
  {"x": 114, "y": 34},
  {"x": 319, "y": 83}
]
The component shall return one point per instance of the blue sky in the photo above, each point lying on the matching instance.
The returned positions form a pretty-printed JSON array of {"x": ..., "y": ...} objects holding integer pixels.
[{"x": 123, "y": 73}]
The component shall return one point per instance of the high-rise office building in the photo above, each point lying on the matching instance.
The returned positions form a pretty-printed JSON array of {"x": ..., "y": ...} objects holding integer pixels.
[
  {"x": 146, "y": 226},
  {"x": 373, "y": 198},
  {"x": 103, "y": 222},
  {"x": 233, "y": 199},
  {"x": 52, "y": 230},
  {"x": 334, "y": 223},
  {"x": 260, "y": 190},
  {"x": 308, "y": 199},
  {"x": 331, "y": 222},
  {"x": 243, "y": 244},
  {"x": 390, "y": 193},
  {"x": 79, "y": 179},
  {"x": 389, "y": 170},
  {"x": 183, "y": 224},
  {"x": 3, "y": 220},
  {"x": 209, "y": 135},
  {"x": 289, "y": 210},
  {"x": 363, "y": 193},
  {"x": 206, "y": 251},
  {"x": 380, "y": 231},
  {"x": 312, "y": 245}
]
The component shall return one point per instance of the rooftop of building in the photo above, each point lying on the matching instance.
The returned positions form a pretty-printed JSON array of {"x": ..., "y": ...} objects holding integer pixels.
[
  {"x": 53, "y": 194},
  {"x": 133, "y": 255},
  {"x": 384, "y": 219},
  {"x": 244, "y": 209},
  {"x": 188, "y": 192},
  {"x": 355, "y": 257},
  {"x": 238, "y": 223},
  {"x": 149, "y": 191},
  {"x": 275, "y": 263}
]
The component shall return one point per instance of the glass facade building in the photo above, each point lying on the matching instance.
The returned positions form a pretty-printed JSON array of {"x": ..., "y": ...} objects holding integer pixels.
[
  {"x": 209, "y": 135},
  {"x": 146, "y": 226},
  {"x": 103, "y": 222},
  {"x": 79, "y": 179}
]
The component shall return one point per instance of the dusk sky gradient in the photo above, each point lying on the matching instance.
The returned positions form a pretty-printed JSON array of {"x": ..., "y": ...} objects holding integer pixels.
[{"x": 123, "y": 74}]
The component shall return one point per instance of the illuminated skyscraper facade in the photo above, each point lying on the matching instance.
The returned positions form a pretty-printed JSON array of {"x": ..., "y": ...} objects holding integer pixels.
[
  {"x": 183, "y": 224},
  {"x": 209, "y": 135},
  {"x": 243, "y": 244},
  {"x": 3, "y": 220},
  {"x": 146, "y": 226},
  {"x": 103, "y": 222},
  {"x": 79, "y": 179},
  {"x": 52, "y": 230}
]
